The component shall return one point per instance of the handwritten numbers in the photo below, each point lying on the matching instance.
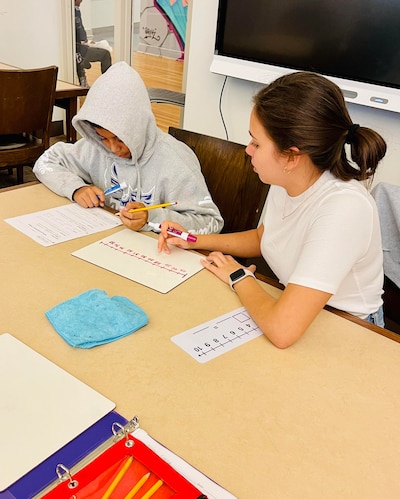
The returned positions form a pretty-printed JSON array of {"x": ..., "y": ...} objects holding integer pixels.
[{"x": 218, "y": 336}]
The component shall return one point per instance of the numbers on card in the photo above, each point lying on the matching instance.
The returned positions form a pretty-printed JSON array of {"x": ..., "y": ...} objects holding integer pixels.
[{"x": 218, "y": 336}]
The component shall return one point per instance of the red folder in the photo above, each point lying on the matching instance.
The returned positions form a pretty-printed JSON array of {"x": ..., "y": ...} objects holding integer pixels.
[{"x": 128, "y": 460}]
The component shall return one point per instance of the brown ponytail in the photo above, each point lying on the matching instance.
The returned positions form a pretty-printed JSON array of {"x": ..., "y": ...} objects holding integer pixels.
[{"x": 308, "y": 111}]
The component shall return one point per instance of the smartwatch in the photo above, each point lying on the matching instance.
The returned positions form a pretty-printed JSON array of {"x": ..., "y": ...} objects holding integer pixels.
[{"x": 238, "y": 275}]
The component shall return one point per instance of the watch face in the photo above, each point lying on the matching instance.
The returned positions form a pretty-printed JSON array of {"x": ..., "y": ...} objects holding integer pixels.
[{"x": 237, "y": 275}]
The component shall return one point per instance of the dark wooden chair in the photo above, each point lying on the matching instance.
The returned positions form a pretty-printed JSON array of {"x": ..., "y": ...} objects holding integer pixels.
[
  {"x": 26, "y": 108},
  {"x": 234, "y": 187}
]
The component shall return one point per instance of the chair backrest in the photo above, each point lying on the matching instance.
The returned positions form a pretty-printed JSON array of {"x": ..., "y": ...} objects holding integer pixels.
[
  {"x": 234, "y": 187},
  {"x": 26, "y": 100},
  {"x": 163, "y": 96}
]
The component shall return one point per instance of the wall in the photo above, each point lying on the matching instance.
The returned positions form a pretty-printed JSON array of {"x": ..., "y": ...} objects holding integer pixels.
[
  {"x": 30, "y": 33},
  {"x": 98, "y": 18},
  {"x": 33, "y": 34},
  {"x": 203, "y": 90},
  {"x": 102, "y": 13},
  {"x": 159, "y": 36}
]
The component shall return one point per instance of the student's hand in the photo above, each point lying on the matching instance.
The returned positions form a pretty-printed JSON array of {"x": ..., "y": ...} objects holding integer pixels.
[
  {"x": 136, "y": 220},
  {"x": 165, "y": 239},
  {"x": 223, "y": 265},
  {"x": 89, "y": 196}
]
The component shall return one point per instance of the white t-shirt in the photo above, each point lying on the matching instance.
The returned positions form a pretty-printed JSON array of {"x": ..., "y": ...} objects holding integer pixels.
[{"x": 328, "y": 238}]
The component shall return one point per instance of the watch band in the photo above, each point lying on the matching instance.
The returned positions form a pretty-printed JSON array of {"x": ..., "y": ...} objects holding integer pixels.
[{"x": 238, "y": 275}]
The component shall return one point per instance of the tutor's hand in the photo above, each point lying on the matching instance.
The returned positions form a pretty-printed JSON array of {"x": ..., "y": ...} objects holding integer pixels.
[
  {"x": 89, "y": 196},
  {"x": 223, "y": 265},
  {"x": 165, "y": 239},
  {"x": 135, "y": 220}
]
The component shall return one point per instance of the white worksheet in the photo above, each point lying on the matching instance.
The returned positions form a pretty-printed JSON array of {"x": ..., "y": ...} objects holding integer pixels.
[
  {"x": 57, "y": 225},
  {"x": 218, "y": 336},
  {"x": 135, "y": 256}
]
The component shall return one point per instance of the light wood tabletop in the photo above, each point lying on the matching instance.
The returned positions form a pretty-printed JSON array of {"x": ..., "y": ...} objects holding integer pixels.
[{"x": 318, "y": 420}]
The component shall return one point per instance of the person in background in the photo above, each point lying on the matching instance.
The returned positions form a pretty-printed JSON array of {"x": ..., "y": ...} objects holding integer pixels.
[
  {"x": 85, "y": 53},
  {"x": 320, "y": 233},
  {"x": 122, "y": 145}
]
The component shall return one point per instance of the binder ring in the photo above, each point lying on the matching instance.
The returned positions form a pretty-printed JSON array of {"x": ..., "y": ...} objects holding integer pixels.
[
  {"x": 120, "y": 431},
  {"x": 63, "y": 474}
]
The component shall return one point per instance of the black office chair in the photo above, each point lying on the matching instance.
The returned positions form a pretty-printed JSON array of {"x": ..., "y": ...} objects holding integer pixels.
[{"x": 26, "y": 108}]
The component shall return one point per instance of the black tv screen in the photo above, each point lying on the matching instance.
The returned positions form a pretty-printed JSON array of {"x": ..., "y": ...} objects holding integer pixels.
[{"x": 349, "y": 40}]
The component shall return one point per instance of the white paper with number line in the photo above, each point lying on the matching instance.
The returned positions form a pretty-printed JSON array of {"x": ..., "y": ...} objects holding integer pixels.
[{"x": 218, "y": 336}]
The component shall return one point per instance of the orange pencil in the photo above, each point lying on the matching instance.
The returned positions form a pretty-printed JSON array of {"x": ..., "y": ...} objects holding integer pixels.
[
  {"x": 118, "y": 477},
  {"x": 137, "y": 486},
  {"x": 152, "y": 489}
]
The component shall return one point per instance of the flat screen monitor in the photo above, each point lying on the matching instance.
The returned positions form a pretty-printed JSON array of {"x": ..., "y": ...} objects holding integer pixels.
[{"x": 355, "y": 43}]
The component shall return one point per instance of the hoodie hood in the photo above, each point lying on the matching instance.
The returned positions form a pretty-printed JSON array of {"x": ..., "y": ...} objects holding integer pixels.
[{"x": 118, "y": 101}]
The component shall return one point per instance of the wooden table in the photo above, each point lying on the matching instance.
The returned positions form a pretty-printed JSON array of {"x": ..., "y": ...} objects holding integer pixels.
[
  {"x": 318, "y": 420},
  {"x": 66, "y": 98}
]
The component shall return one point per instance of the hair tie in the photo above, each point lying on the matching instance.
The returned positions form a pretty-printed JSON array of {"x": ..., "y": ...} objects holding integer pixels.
[{"x": 351, "y": 133}]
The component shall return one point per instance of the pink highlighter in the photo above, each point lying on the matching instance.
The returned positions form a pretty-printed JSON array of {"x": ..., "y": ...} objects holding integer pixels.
[
  {"x": 183, "y": 235},
  {"x": 175, "y": 232}
]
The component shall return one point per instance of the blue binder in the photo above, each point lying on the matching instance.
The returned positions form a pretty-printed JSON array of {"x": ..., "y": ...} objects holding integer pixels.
[{"x": 41, "y": 476}]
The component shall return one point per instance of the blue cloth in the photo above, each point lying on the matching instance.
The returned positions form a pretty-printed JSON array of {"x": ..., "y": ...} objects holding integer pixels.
[{"x": 93, "y": 318}]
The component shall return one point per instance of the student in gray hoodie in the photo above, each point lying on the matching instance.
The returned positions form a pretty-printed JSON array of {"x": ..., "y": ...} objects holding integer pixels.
[{"x": 121, "y": 144}]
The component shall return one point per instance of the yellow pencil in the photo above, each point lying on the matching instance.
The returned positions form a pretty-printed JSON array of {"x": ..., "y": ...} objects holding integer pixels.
[
  {"x": 137, "y": 486},
  {"x": 118, "y": 477},
  {"x": 152, "y": 490},
  {"x": 153, "y": 207}
]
